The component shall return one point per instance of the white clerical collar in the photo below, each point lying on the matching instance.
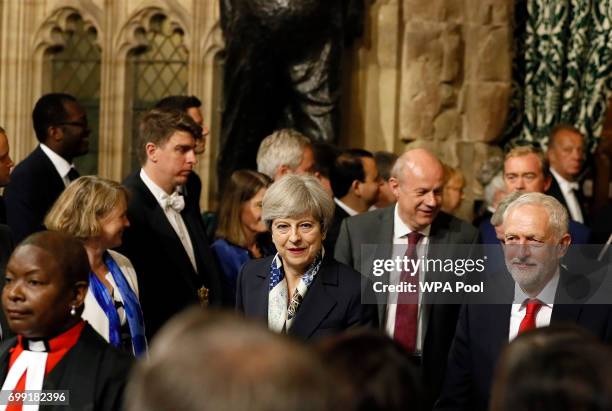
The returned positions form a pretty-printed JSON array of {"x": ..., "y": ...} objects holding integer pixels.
[
  {"x": 546, "y": 296},
  {"x": 61, "y": 165},
  {"x": 158, "y": 192},
  {"x": 565, "y": 185},
  {"x": 346, "y": 208},
  {"x": 401, "y": 229}
]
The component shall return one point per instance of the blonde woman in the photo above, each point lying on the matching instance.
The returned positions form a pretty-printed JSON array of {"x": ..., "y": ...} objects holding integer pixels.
[{"x": 93, "y": 209}]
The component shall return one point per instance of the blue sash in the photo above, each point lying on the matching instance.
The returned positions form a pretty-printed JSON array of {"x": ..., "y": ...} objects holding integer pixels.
[{"x": 130, "y": 303}]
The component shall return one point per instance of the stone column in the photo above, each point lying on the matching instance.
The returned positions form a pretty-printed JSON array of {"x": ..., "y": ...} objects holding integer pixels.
[{"x": 455, "y": 80}]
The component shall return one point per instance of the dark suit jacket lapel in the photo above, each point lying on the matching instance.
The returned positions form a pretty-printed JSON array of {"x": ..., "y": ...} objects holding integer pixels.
[
  {"x": 566, "y": 307},
  {"x": 383, "y": 238},
  {"x": 317, "y": 304},
  {"x": 261, "y": 294},
  {"x": 159, "y": 222},
  {"x": 497, "y": 327},
  {"x": 438, "y": 236},
  {"x": 4, "y": 356},
  {"x": 56, "y": 182}
]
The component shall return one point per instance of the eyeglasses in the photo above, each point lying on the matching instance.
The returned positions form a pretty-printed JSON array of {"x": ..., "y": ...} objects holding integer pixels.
[{"x": 73, "y": 123}]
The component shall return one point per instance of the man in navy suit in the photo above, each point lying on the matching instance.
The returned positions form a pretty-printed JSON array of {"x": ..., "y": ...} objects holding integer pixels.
[
  {"x": 61, "y": 127},
  {"x": 166, "y": 240},
  {"x": 539, "y": 292},
  {"x": 526, "y": 170}
]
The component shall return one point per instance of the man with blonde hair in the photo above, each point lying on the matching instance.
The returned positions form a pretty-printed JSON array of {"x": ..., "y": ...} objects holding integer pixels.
[
  {"x": 526, "y": 170},
  {"x": 285, "y": 151}
]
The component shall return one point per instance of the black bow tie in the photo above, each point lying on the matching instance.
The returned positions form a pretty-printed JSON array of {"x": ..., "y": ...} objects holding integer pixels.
[{"x": 73, "y": 174}]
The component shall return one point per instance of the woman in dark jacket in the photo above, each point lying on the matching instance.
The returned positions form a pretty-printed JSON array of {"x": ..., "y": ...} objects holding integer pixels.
[{"x": 301, "y": 290}]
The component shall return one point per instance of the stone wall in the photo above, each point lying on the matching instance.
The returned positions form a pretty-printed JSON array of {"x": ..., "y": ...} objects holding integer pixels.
[
  {"x": 456, "y": 79},
  {"x": 433, "y": 73}
]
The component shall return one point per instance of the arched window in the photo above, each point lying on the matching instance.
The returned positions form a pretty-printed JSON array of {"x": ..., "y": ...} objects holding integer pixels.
[
  {"x": 75, "y": 69},
  {"x": 158, "y": 71}
]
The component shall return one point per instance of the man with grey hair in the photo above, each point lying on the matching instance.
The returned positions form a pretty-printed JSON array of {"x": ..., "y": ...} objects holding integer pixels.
[
  {"x": 285, "y": 151},
  {"x": 543, "y": 293},
  {"x": 415, "y": 222}
]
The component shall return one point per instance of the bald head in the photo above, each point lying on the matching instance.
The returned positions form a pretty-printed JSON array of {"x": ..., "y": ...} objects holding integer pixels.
[
  {"x": 416, "y": 162},
  {"x": 417, "y": 182},
  {"x": 65, "y": 251}
]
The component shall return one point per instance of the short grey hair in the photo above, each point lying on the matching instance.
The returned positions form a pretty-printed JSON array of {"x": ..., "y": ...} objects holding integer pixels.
[
  {"x": 296, "y": 195},
  {"x": 498, "y": 216},
  {"x": 496, "y": 184},
  {"x": 558, "y": 218},
  {"x": 283, "y": 147}
]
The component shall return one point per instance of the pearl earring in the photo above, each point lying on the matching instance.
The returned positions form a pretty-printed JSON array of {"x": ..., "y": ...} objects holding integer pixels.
[{"x": 73, "y": 310}]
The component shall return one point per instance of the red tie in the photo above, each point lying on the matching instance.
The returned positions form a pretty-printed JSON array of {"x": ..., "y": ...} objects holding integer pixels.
[
  {"x": 406, "y": 316},
  {"x": 529, "y": 321}
]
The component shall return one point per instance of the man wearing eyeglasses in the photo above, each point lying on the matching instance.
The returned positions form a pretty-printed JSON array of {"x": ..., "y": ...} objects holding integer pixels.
[{"x": 61, "y": 127}]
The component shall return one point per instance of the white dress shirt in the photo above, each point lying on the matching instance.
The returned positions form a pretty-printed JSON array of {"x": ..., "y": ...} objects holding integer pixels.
[
  {"x": 61, "y": 165},
  {"x": 567, "y": 189},
  {"x": 519, "y": 306},
  {"x": 400, "y": 244},
  {"x": 174, "y": 217},
  {"x": 346, "y": 208}
]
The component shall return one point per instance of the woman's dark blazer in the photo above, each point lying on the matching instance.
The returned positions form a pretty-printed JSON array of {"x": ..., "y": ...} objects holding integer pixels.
[{"x": 332, "y": 303}]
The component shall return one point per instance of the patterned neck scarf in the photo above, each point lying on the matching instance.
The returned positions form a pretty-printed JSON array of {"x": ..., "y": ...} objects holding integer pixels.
[{"x": 281, "y": 311}]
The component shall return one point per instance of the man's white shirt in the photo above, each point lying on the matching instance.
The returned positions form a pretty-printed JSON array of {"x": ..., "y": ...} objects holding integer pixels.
[
  {"x": 519, "y": 306},
  {"x": 346, "y": 208},
  {"x": 567, "y": 190},
  {"x": 61, "y": 165},
  {"x": 400, "y": 244},
  {"x": 174, "y": 217}
]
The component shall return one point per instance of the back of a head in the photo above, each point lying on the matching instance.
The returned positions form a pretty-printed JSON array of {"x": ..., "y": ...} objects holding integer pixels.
[
  {"x": 384, "y": 163},
  {"x": 347, "y": 168},
  {"x": 284, "y": 147},
  {"x": 48, "y": 111},
  {"x": 498, "y": 216},
  {"x": 557, "y": 368},
  {"x": 373, "y": 372},
  {"x": 324, "y": 156},
  {"x": 224, "y": 363},
  {"x": 181, "y": 103}
]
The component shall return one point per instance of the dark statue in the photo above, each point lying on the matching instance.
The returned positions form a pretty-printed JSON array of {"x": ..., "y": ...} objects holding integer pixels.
[{"x": 282, "y": 70}]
